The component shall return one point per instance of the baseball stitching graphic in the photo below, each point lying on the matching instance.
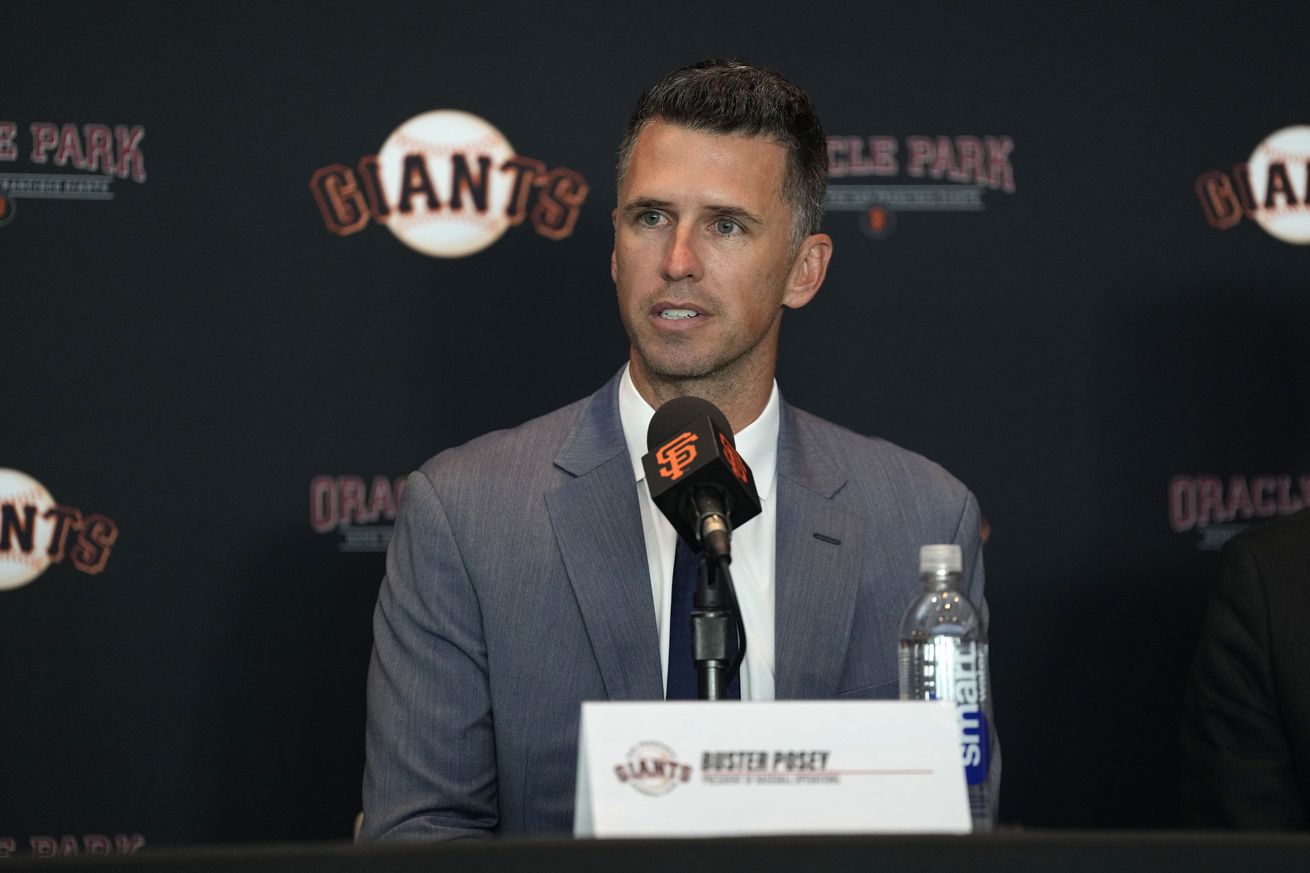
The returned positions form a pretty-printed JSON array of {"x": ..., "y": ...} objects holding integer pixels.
[
  {"x": 19, "y": 491},
  {"x": 438, "y": 136}
]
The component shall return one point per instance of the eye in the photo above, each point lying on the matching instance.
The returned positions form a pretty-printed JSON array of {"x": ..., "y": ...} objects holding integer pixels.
[
  {"x": 726, "y": 226},
  {"x": 650, "y": 218}
]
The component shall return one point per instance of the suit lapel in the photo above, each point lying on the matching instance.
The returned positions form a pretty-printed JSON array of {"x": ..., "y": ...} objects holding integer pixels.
[
  {"x": 815, "y": 578},
  {"x": 597, "y": 521}
]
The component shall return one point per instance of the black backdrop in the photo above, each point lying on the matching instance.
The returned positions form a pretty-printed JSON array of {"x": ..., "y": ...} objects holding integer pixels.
[{"x": 200, "y": 361}]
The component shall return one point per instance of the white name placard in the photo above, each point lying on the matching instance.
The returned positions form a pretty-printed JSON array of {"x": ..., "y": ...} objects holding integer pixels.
[{"x": 698, "y": 769}]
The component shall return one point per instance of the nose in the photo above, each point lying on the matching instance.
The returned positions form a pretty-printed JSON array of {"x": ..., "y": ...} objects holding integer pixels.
[{"x": 681, "y": 260}]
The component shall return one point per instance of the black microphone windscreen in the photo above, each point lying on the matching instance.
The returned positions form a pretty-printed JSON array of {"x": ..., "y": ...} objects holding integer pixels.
[
  {"x": 693, "y": 456},
  {"x": 674, "y": 415}
]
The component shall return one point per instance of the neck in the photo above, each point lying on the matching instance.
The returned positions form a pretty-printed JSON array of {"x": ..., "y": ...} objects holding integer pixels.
[{"x": 741, "y": 400}]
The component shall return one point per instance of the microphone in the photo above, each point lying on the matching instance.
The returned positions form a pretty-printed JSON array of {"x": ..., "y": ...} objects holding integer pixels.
[{"x": 696, "y": 477}]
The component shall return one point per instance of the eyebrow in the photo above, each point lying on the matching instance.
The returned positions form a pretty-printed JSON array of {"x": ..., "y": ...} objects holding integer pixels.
[{"x": 730, "y": 211}]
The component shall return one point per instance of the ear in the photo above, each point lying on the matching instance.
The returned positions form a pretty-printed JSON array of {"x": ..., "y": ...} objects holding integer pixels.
[
  {"x": 808, "y": 270},
  {"x": 614, "y": 258}
]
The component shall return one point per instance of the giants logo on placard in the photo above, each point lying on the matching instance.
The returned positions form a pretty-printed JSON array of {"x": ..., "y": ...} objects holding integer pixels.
[
  {"x": 36, "y": 532},
  {"x": 652, "y": 768},
  {"x": 1219, "y": 507},
  {"x": 108, "y": 152},
  {"x": 360, "y": 511},
  {"x": 1272, "y": 187},
  {"x": 448, "y": 184},
  {"x": 968, "y": 165}
]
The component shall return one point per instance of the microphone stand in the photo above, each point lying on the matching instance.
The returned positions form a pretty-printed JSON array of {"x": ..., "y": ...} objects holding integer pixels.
[{"x": 718, "y": 634}]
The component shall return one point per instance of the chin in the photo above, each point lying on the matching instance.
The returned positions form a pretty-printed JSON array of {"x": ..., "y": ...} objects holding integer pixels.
[{"x": 680, "y": 370}]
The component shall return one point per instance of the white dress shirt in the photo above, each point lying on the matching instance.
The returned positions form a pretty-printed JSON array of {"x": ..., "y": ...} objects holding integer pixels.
[{"x": 753, "y": 544}]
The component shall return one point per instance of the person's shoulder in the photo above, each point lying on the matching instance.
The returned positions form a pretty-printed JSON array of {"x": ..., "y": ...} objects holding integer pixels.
[
  {"x": 519, "y": 452},
  {"x": 875, "y": 460},
  {"x": 1286, "y": 538}
]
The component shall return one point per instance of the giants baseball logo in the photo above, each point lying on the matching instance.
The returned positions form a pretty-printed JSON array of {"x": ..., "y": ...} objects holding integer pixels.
[
  {"x": 676, "y": 455},
  {"x": 735, "y": 462},
  {"x": 35, "y": 532},
  {"x": 448, "y": 184},
  {"x": 1272, "y": 187}
]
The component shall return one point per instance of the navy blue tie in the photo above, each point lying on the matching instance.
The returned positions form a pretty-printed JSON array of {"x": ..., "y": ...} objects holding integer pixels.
[{"x": 682, "y": 684}]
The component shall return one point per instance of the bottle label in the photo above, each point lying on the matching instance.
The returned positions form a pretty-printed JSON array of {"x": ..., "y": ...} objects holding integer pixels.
[
  {"x": 949, "y": 668},
  {"x": 970, "y": 694}
]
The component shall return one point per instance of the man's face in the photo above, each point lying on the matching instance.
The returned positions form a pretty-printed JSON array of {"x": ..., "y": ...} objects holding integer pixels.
[{"x": 702, "y": 254}]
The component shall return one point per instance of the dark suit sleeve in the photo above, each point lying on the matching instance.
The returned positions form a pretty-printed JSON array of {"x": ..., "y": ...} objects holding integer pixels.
[
  {"x": 1238, "y": 769},
  {"x": 430, "y": 769}
]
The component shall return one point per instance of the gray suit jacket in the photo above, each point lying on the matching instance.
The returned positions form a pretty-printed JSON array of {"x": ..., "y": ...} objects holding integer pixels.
[{"x": 517, "y": 587}]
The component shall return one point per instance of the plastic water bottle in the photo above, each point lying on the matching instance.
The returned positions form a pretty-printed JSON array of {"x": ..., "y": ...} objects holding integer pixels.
[{"x": 944, "y": 657}]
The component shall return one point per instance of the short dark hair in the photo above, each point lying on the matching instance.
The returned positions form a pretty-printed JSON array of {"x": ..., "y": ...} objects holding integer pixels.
[{"x": 728, "y": 96}]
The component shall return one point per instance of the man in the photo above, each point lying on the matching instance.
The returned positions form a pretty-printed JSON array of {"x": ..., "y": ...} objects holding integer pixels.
[
  {"x": 530, "y": 570},
  {"x": 1246, "y": 728}
]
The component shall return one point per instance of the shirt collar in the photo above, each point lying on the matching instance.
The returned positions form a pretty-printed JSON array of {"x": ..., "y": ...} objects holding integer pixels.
[{"x": 757, "y": 442}]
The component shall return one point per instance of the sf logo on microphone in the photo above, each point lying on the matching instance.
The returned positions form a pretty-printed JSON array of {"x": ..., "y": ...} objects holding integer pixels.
[
  {"x": 676, "y": 455},
  {"x": 734, "y": 460}
]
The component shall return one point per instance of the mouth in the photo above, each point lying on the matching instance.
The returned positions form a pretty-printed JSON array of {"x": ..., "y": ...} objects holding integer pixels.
[
  {"x": 678, "y": 314},
  {"x": 669, "y": 312}
]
